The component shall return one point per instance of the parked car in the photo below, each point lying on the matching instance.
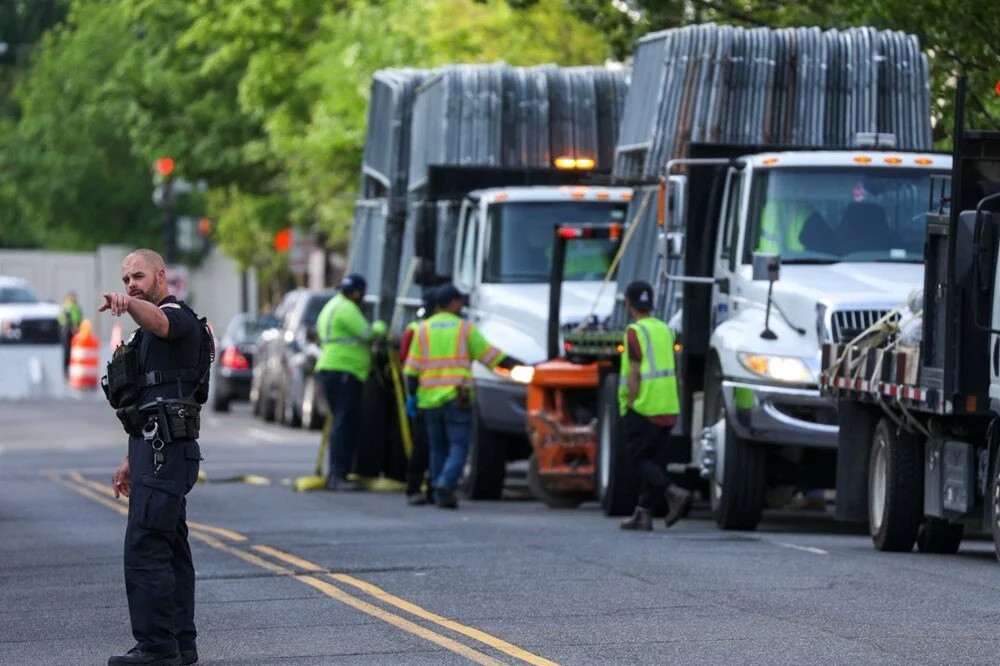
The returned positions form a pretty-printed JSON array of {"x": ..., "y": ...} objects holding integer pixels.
[
  {"x": 283, "y": 387},
  {"x": 24, "y": 318},
  {"x": 234, "y": 355}
]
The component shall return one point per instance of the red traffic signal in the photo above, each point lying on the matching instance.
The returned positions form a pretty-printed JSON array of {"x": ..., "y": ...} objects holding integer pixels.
[
  {"x": 164, "y": 165},
  {"x": 283, "y": 240}
]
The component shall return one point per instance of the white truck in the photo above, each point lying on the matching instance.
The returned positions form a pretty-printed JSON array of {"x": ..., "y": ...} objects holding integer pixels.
[{"x": 845, "y": 230}]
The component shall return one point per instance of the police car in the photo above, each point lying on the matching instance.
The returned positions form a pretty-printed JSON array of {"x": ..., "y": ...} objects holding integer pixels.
[{"x": 24, "y": 317}]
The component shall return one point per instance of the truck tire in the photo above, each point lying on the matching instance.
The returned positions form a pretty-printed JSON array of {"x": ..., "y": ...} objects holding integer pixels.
[
  {"x": 738, "y": 497},
  {"x": 995, "y": 495},
  {"x": 617, "y": 484},
  {"x": 895, "y": 489},
  {"x": 939, "y": 536},
  {"x": 486, "y": 466},
  {"x": 552, "y": 498}
]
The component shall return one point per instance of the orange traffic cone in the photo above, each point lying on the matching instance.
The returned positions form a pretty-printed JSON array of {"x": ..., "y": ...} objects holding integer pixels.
[{"x": 83, "y": 358}]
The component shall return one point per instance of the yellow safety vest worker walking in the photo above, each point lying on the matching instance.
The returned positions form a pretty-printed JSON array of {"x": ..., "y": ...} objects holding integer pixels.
[
  {"x": 648, "y": 402},
  {"x": 439, "y": 378}
]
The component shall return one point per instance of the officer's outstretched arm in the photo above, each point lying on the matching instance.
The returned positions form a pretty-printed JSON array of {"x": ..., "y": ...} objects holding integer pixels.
[{"x": 150, "y": 317}]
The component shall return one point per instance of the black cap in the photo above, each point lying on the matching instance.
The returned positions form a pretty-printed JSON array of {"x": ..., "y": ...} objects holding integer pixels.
[
  {"x": 428, "y": 299},
  {"x": 353, "y": 283},
  {"x": 447, "y": 293},
  {"x": 639, "y": 295}
]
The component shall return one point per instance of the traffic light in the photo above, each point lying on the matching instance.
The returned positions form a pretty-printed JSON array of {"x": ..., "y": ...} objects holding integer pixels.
[{"x": 164, "y": 166}]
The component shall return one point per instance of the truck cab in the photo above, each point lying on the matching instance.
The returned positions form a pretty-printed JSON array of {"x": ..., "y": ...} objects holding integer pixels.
[
  {"x": 847, "y": 230},
  {"x": 503, "y": 259}
]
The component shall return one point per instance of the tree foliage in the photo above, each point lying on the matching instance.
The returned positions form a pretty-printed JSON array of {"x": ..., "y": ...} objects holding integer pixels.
[{"x": 265, "y": 101}]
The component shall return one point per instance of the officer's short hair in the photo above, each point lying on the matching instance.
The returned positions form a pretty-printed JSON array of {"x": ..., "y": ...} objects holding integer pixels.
[
  {"x": 639, "y": 295},
  {"x": 353, "y": 283}
]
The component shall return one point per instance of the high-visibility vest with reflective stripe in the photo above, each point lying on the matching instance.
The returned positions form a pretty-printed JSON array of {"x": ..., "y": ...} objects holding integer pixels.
[
  {"x": 344, "y": 334},
  {"x": 657, "y": 379},
  {"x": 441, "y": 357},
  {"x": 781, "y": 222}
]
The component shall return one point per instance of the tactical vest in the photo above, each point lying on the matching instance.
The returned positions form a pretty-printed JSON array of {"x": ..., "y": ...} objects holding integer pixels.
[{"x": 657, "y": 379}]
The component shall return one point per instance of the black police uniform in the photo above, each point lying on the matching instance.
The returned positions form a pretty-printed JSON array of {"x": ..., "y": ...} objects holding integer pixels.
[{"x": 159, "y": 573}]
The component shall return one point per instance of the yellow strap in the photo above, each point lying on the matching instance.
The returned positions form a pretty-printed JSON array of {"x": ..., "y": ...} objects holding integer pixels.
[{"x": 397, "y": 386}]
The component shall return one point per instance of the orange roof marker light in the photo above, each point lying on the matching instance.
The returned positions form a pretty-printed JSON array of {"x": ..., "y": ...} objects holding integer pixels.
[
  {"x": 625, "y": 196},
  {"x": 578, "y": 163},
  {"x": 768, "y": 161},
  {"x": 893, "y": 160},
  {"x": 503, "y": 196},
  {"x": 924, "y": 161},
  {"x": 862, "y": 159}
]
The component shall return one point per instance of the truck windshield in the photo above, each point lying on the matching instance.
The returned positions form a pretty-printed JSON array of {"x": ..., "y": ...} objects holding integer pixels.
[
  {"x": 17, "y": 295},
  {"x": 521, "y": 235},
  {"x": 833, "y": 214}
]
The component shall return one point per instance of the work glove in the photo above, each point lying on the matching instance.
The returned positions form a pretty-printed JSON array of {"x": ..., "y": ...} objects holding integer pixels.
[
  {"x": 411, "y": 406},
  {"x": 378, "y": 329}
]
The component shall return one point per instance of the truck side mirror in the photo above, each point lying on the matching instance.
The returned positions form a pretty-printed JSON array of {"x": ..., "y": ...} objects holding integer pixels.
[
  {"x": 672, "y": 244},
  {"x": 766, "y": 266},
  {"x": 671, "y": 201},
  {"x": 986, "y": 243}
]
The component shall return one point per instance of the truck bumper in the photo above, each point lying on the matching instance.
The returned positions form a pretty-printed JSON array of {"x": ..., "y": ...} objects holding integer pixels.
[
  {"x": 503, "y": 406},
  {"x": 777, "y": 415}
]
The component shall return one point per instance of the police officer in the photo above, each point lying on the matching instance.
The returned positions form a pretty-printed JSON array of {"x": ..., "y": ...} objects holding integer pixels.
[
  {"x": 162, "y": 461},
  {"x": 342, "y": 369},
  {"x": 439, "y": 379},
  {"x": 416, "y": 467},
  {"x": 648, "y": 402}
]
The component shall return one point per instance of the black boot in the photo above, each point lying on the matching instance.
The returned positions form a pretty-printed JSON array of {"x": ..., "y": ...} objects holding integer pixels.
[
  {"x": 137, "y": 656},
  {"x": 678, "y": 503},
  {"x": 189, "y": 656},
  {"x": 445, "y": 498},
  {"x": 640, "y": 520}
]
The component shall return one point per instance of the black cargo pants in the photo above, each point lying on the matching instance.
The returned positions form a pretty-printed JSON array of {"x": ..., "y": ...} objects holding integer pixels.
[
  {"x": 648, "y": 452},
  {"x": 159, "y": 573}
]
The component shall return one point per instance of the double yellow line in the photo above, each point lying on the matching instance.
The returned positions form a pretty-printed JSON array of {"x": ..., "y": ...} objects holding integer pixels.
[{"x": 323, "y": 580}]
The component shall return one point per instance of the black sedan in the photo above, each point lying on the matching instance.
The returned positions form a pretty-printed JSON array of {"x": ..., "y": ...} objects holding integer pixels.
[{"x": 234, "y": 359}]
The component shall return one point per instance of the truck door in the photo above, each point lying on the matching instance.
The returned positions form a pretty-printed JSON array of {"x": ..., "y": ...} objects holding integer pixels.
[
  {"x": 467, "y": 257},
  {"x": 727, "y": 258}
]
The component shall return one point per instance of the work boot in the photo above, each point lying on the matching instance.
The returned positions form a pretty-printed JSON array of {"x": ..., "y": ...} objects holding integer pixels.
[
  {"x": 678, "y": 503},
  {"x": 189, "y": 656},
  {"x": 336, "y": 484},
  {"x": 445, "y": 498},
  {"x": 418, "y": 499},
  {"x": 137, "y": 656},
  {"x": 641, "y": 520}
]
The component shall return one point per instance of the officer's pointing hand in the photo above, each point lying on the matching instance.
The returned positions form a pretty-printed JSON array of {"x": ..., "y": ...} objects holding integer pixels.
[
  {"x": 117, "y": 303},
  {"x": 121, "y": 481}
]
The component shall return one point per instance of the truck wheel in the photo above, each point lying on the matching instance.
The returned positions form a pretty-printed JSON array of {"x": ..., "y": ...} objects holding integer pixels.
[
  {"x": 939, "y": 536},
  {"x": 487, "y": 464},
  {"x": 312, "y": 410},
  {"x": 737, "y": 494},
  {"x": 617, "y": 484},
  {"x": 995, "y": 493},
  {"x": 551, "y": 498},
  {"x": 895, "y": 489}
]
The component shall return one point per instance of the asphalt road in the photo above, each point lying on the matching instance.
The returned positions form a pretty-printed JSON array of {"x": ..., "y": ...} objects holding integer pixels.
[{"x": 321, "y": 578}]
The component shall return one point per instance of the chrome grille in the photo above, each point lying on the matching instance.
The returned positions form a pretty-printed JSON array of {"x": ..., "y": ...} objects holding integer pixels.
[{"x": 848, "y": 324}]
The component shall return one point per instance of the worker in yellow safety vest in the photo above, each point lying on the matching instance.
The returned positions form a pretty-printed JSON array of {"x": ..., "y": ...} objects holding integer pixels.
[
  {"x": 781, "y": 225},
  {"x": 343, "y": 366},
  {"x": 418, "y": 464},
  {"x": 439, "y": 379},
  {"x": 648, "y": 403}
]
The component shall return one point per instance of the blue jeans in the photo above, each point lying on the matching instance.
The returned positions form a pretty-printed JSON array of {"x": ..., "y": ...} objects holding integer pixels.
[
  {"x": 448, "y": 435},
  {"x": 343, "y": 394}
]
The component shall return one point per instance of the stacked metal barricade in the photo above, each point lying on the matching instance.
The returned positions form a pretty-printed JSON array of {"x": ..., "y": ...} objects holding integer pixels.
[
  {"x": 786, "y": 87},
  {"x": 794, "y": 87}
]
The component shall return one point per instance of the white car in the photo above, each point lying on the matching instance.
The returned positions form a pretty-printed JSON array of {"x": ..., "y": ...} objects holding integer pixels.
[{"x": 24, "y": 317}]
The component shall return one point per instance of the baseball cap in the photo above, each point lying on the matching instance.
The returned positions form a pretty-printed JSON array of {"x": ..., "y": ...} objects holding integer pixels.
[
  {"x": 447, "y": 293},
  {"x": 428, "y": 299},
  {"x": 353, "y": 282},
  {"x": 639, "y": 295}
]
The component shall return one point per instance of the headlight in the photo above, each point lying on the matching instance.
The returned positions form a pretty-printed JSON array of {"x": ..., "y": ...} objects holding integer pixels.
[
  {"x": 787, "y": 369},
  {"x": 522, "y": 373}
]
